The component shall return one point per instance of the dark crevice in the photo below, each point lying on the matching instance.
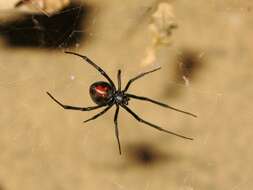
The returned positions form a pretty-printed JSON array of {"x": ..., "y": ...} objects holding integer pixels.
[{"x": 64, "y": 29}]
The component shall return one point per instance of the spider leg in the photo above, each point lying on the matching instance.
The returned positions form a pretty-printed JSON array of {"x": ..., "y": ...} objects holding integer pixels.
[
  {"x": 137, "y": 77},
  {"x": 160, "y": 104},
  {"x": 152, "y": 125},
  {"x": 119, "y": 80},
  {"x": 116, "y": 127},
  {"x": 99, "y": 69},
  {"x": 73, "y": 107},
  {"x": 99, "y": 114}
]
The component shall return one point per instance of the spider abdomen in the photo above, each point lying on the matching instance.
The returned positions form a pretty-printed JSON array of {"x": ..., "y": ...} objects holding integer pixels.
[{"x": 101, "y": 92}]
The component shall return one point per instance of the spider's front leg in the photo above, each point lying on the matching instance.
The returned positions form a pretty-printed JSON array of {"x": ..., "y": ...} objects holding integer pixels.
[
  {"x": 74, "y": 107},
  {"x": 137, "y": 77},
  {"x": 151, "y": 124},
  {"x": 116, "y": 127},
  {"x": 159, "y": 103}
]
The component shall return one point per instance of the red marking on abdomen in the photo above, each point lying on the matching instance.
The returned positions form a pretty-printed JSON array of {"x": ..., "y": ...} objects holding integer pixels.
[{"x": 102, "y": 90}]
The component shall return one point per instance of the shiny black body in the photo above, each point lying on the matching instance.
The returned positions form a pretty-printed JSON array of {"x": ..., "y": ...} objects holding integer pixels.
[
  {"x": 101, "y": 92},
  {"x": 105, "y": 94}
]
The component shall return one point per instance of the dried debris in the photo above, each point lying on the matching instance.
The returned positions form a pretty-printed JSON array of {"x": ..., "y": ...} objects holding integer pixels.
[
  {"x": 47, "y": 7},
  {"x": 161, "y": 27}
]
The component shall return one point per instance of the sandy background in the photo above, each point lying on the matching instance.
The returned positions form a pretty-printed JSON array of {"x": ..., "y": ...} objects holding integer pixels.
[{"x": 45, "y": 147}]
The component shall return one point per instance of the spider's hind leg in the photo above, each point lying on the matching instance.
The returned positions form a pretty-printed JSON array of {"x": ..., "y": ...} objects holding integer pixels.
[
  {"x": 99, "y": 69},
  {"x": 99, "y": 114},
  {"x": 74, "y": 107}
]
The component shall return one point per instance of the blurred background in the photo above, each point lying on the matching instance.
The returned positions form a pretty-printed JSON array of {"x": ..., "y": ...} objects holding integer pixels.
[{"x": 204, "y": 49}]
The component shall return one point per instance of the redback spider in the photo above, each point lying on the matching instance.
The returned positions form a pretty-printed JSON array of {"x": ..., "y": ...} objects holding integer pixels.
[{"x": 105, "y": 94}]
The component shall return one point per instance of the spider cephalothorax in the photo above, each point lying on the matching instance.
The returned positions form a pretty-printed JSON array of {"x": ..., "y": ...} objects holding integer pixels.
[{"x": 105, "y": 94}]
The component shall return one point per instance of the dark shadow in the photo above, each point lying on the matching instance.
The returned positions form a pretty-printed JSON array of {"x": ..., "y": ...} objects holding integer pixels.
[
  {"x": 141, "y": 155},
  {"x": 144, "y": 154},
  {"x": 187, "y": 65},
  {"x": 64, "y": 29},
  {"x": 1, "y": 187}
]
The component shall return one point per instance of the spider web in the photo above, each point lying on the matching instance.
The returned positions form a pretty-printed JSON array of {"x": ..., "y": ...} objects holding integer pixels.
[{"x": 67, "y": 154}]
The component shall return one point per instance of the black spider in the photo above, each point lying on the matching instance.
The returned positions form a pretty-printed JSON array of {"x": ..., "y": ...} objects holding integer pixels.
[{"x": 105, "y": 94}]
